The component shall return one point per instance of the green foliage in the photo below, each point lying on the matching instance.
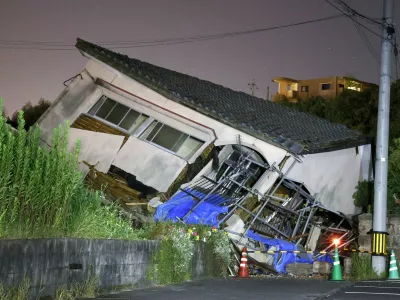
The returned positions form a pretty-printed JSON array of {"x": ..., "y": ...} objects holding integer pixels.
[
  {"x": 359, "y": 111},
  {"x": 364, "y": 195},
  {"x": 220, "y": 244},
  {"x": 361, "y": 268},
  {"x": 172, "y": 263},
  {"x": 32, "y": 113},
  {"x": 42, "y": 193},
  {"x": 86, "y": 289},
  {"x": 19, "y": 292},
  {"x": 394, "y": 178}
]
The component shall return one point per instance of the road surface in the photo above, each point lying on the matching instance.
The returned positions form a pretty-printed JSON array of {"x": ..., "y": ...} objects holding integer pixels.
[
  {"x": 369, "y": 290},
  {"x": 265, "y": 288},
  {"x": 235, "y": 289}
]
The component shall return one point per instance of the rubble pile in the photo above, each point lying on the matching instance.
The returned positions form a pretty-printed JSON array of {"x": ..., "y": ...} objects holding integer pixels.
[{"x": 285, "y": 225}]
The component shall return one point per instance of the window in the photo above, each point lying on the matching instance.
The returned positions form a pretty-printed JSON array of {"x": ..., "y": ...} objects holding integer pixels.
[
  {"x": 171, "y": 139},
  {"x": 117, "y": 114},
  {"x": 325, "y": 86},
  {"x": 304, "y": 88},
  {"x": 152, "y": 130}
]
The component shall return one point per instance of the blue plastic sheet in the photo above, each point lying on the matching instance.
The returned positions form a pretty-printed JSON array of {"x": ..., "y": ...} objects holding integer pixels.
[
  {"x": 179, "y": 205},
  {"x": 281, "y": 260}
]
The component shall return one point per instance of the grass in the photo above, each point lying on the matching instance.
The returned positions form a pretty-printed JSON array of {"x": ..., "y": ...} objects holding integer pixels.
[
  {"x": 19, "y": 292},
  {"x": 42, "y": 192},
  {"x": 86, "y": 289},
  {"x": 361, "y": 268}
]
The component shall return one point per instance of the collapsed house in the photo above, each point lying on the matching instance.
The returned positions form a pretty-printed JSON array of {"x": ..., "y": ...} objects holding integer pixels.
[{"x": 256, "y": 168}]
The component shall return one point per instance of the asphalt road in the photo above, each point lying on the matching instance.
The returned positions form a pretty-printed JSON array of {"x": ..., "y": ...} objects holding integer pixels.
[
  {"x": 237, "y": 289},
  {"x": 369, "y": 290}
]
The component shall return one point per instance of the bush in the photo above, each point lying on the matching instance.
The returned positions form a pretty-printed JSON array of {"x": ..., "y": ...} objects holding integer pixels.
[
  {"x": 394, "y": 178},
  {"x": 172, "y": 263},
  {"x": 364, "y": 195},
  {"x": 361, "y": 268},
  {"x": 42, "y": 193}
]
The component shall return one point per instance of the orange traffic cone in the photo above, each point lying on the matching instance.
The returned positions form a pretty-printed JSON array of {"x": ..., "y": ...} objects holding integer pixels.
[{"x": 244, "y": 268}]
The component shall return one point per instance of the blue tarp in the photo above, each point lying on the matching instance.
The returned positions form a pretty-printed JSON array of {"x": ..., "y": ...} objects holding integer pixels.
[
  {"x": 180, "y": 204},
  {"x": 280, "y": 262}
]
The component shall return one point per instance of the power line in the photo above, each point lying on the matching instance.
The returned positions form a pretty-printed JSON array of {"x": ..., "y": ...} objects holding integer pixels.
[
  {"x": 36, "y": 45},
  {"x": 353, "y": 12},
  {"x": 364, "y": 37},
  {"x": 352, "y": 18}
]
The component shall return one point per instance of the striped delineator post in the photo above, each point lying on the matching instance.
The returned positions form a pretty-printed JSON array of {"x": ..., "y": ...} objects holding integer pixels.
[
  {"x": 337, "y": 270},
  {"x": 393, "y": 271},
  {"x": 244, "y": 268}
]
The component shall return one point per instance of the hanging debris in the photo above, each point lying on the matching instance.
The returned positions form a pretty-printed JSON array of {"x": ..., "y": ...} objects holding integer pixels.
[{"x": 285, "y": 218}]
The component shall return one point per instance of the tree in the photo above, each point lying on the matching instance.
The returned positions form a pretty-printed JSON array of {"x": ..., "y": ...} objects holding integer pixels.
[
  {"x": 32, "y": 113},
  {"x": 359, "y": 111}
]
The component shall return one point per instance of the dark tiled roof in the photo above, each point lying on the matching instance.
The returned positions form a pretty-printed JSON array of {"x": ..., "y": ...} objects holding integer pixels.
[{"x": 295, "y": 131}]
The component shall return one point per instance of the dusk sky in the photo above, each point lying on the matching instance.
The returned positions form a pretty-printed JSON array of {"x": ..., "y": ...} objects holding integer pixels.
[{"x": 330, "y": 48}]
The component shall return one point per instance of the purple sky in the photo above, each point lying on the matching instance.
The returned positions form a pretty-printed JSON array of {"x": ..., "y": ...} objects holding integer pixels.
[{"x": 315, "y": 50}]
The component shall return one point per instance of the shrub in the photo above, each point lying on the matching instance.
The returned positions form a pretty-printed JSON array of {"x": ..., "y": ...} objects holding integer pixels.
[
  {"x": 172, "y": 263},
  {"x": 42, "y": 193},
  {"x": 364, "y": 195},
  {"x": 361, "y": 268}
]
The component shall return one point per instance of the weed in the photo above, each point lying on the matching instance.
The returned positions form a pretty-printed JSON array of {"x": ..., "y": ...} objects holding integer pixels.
[
  {"x": 19, "y": 292},
  {"x": 42, "y": 192},
  {"x": 361, "y": 268}
]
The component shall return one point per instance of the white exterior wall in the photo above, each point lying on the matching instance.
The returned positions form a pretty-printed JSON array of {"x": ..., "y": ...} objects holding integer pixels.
[
  {"x": 333, "y": 176},
  {"x": 225, "y": 134}
]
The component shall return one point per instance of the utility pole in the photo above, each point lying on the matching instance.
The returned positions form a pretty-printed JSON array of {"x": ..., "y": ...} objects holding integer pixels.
[
  {"x": 267, "y": 93},
  {"x": 381, "y": 163},
  {"x": 252, "y": 86}
]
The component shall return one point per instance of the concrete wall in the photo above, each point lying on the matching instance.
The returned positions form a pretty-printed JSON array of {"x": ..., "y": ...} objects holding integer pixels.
[
  {"x": 393, "y": 228},
  {"x": 333, "y": 176},
  {"x": 78, "y": 96},
  {"x": 46, "y": 262}
]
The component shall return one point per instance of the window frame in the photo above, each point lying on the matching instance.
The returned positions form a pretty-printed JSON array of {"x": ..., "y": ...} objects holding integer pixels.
[
  {"x": 306, "y": 88},
  {"x": 163, "y": 148},
  {"x": 116, "y": 126},
  {"x": 326, "y": 83},
  {"x": 142, "y": 128}
]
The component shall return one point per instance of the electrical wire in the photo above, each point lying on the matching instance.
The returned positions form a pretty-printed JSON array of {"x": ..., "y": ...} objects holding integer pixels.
[
  {"x": 352, "y": 18},
  {"x": 36, "y": 45},
  {"x": 353, "y": 12},
  {"x": 364, "y": 38}
]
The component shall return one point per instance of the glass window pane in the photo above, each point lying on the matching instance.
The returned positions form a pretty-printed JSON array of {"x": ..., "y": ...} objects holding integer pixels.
[
  {"x": 95, "y": 107},
  {"x": 167, "y": 137},
  {"x": 129, "y": 119},
  {"x": 149, "y": 133},
  {"x": 105, "y": 108},
  {"x": 179, "y": 142},
  {"x": 117, "y": 114},
  {"x": 139, "y": 121},
  {"x": 189, "y": 147}
]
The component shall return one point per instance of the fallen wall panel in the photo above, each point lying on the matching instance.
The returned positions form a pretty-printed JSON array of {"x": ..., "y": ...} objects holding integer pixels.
[
  {"x": 97, "y": 149},
  {"x": 152, "y": 166}
]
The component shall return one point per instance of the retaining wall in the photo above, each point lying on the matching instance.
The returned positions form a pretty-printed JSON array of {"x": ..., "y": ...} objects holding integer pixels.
[
  {"x": 393, "y": 228},
  {"x": 51, "y": 263}
]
